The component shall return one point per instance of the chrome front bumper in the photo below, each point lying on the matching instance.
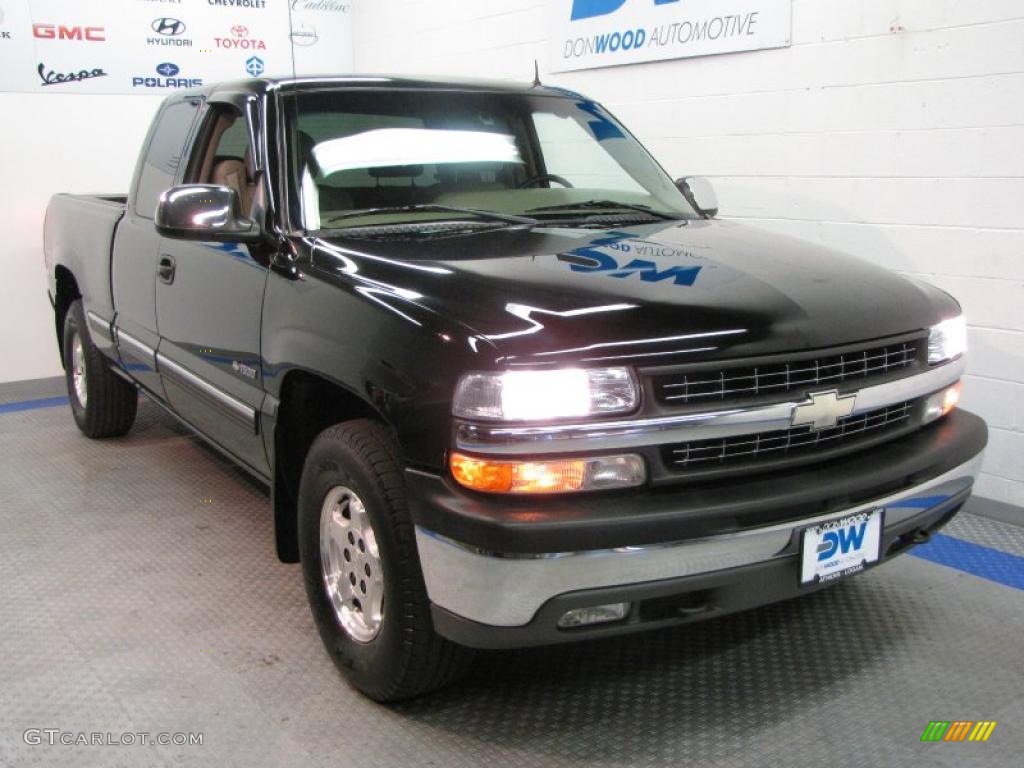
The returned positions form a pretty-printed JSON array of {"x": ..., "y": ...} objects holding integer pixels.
[{"x": 507, "y": 590}]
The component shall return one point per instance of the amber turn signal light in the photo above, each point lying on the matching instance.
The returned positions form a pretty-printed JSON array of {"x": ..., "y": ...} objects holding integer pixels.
[
  {"x": 555, "y": 476},
  {"x": 942, "y": 402}
]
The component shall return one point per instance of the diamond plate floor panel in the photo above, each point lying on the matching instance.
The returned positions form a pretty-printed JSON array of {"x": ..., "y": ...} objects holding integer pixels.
[{"x": 140, "y": 592}]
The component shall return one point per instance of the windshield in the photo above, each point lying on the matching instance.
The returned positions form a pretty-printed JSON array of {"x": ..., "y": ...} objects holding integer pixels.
[{"x": 368, "y": 158}]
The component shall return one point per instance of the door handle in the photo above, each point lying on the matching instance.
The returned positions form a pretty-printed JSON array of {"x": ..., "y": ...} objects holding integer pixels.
[{"x": 165, "y": 269}]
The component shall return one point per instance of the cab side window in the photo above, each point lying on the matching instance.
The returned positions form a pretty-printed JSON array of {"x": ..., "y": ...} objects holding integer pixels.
[
  {"x": 163, "y": 156},
  {"x": 227, "y": 157}
]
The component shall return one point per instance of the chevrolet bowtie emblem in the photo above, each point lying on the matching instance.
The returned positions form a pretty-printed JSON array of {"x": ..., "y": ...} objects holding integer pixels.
[{"x": 822, "y": 410}]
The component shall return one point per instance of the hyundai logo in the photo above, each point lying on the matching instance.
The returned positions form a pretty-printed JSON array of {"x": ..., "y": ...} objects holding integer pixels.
[
  {"x": 254, "y": 66},
  {"x": 167, "y": 69},
  {"x": 168, "y": 26}
]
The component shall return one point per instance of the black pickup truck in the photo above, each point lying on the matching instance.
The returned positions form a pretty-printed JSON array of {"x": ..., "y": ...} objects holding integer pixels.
[{"x": 508, "y": 383}]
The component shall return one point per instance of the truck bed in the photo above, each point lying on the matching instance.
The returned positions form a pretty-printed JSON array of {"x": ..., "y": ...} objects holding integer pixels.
[{"x": 79, "y": 233}]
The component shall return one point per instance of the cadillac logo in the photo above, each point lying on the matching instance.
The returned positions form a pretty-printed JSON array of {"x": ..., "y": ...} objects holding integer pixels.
[{"x": 822, "y": 410}]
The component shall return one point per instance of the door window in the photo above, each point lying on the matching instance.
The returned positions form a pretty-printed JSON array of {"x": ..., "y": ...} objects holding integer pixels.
[{"x": 163, "y": 155}]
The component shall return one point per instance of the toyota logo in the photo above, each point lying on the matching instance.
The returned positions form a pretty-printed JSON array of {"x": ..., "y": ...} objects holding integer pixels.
[
  {"x": 240, "y": 31},
  {"x": 169, "y": 27}
]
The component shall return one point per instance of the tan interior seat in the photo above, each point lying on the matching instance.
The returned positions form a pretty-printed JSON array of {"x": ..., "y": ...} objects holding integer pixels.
[{"x": 230, "y": 172}]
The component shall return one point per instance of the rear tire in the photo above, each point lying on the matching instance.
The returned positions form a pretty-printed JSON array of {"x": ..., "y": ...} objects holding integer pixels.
[
  {"x": 102, "y": 403},
  {"x": 361, "y": 567}
]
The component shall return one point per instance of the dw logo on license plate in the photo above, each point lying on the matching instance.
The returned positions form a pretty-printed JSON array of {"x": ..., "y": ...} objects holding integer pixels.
[{"x": 840, "y": 547}]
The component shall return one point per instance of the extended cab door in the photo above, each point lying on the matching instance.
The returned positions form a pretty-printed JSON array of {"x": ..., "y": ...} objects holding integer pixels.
[
  {"x": 209, "y": 299},
  {"x": 134, "y": 257}
]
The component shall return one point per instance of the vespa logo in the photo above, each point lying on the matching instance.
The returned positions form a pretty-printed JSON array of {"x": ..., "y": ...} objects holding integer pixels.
[
  {"x": 169, "y": 27},
  {"x": 51, "y": 77},
  {"x": 841, "y": 540},
  {"x": 823, "y": 410},
  {"x": 589, "y": 9}
]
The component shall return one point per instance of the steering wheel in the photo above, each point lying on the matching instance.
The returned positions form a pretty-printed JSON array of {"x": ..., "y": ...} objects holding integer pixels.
[{"x": 545, "y": 177}]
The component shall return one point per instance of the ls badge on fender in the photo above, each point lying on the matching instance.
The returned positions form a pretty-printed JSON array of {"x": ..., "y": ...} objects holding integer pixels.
[{"x": 242, "y": 369}]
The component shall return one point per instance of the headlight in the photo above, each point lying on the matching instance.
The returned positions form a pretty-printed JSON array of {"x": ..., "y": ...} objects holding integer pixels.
[
  {"x": 541, "y": 395},
  {"x": 947, "y": 340}
]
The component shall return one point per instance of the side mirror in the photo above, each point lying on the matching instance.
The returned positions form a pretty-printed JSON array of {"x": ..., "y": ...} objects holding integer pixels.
[
  {"x": 204, "y": 212},
  {"x": 701, "y": 195}
]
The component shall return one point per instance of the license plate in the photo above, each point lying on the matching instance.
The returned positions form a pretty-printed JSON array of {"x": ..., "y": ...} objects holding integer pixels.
[{"x": 840, "y": 547}]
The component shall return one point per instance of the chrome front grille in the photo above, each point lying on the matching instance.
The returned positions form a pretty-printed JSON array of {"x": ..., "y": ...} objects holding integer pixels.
[
  {"x": 741, "y": 382},
  {"x": 743, "y": 449}
]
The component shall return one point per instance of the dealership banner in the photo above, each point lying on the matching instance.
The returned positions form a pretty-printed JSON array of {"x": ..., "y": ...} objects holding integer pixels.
[
  {"x": 586, "y": 34},
  {"x": 155, "y": 46}
]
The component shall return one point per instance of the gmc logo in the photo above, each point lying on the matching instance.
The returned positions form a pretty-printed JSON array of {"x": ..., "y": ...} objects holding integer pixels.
[
  {"x": 55, "y": 32},
  {"x": 588, "y": 9}
]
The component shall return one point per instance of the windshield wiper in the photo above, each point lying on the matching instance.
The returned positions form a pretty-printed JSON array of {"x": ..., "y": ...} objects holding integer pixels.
[
  {"x": 606, "y": 204},
  {"x": 508, "y": 218}
]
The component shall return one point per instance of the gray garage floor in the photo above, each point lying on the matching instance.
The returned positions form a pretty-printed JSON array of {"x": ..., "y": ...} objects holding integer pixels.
[{"x": 139, "y": 592}]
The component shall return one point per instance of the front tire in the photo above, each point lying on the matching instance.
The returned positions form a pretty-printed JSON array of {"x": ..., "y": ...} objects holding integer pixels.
[
  {"x": 361, "y": 567},
  {"x": 103, "y": 404}
]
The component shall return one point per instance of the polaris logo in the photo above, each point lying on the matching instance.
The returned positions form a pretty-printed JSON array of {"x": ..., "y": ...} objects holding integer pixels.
[{"x": 167, "y": 79}]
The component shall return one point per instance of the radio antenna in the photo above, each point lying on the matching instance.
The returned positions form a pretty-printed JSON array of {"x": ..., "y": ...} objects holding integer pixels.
[
  {"x": 291, "y": 39},
  {"x": 536, "y": 74}
]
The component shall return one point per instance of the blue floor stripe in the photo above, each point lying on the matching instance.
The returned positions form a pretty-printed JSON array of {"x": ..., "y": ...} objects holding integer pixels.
[
  {"x": 992, "y": 564},
  {"x": 31, "y": 405}
]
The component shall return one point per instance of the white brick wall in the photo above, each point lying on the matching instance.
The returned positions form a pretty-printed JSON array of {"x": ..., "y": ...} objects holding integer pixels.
[{"x": 892, "y": 129}]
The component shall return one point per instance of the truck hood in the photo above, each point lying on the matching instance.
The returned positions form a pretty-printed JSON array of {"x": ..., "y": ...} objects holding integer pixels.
[{"x": 652, "y": 294}]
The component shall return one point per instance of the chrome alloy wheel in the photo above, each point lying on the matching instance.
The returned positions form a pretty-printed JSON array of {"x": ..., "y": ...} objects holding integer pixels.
[
  {"x": 350, "y": 564},
  {"x": 78, "y": 369}
]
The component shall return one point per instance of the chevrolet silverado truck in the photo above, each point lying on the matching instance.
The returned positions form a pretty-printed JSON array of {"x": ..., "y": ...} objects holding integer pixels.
[{"x": 509, "y": 384}]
